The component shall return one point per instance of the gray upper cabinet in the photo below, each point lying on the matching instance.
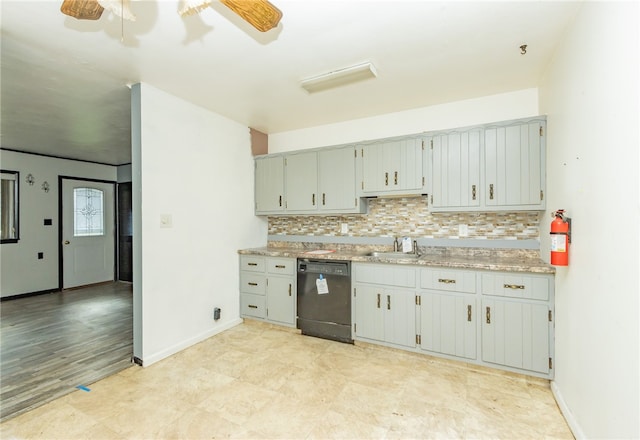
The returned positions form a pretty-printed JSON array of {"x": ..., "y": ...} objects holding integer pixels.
[
  {"x": 494, "y": 167},
  {"x": 514, "y": 172},
  {"x": 321, "y": 181},
  {"x": 392, "y": 167},
  {"x": 455, "y": 174},
  {"x": 337, "y": 180},
  {"x": 301, "y": 181},
  {"x": 269, "y": 185}
]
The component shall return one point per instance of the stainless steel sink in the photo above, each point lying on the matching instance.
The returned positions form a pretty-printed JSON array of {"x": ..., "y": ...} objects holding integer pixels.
[{"x": 393, "y": 255}]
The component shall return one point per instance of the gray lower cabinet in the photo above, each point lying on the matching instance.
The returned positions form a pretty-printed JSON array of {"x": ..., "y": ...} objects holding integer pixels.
[
  {"x": 267, "y": 289},
  {"x": 517, "y": 321},
  {"x": 385, "y": 315},
  {"x": 384, "y": 308},
  {"x": 499, "y": 319},
  {"x": 448, "y": 324},
  {"x": 448, "y": 312}
]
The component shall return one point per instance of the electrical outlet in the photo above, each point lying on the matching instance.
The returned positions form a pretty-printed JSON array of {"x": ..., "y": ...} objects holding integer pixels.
[
  {"x": 40, "y": 255},
  {"x": 344, "y": 228},
  {"x": 216, "y": 313},
  {"x": 463, "y": 230}
]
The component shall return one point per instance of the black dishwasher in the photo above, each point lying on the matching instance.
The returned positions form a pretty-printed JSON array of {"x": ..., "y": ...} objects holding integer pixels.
[{"x": 324, "y": 299}]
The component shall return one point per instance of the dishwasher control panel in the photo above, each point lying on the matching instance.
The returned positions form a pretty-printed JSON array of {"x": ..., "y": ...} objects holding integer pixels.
[{"x": 339, "y": 268}]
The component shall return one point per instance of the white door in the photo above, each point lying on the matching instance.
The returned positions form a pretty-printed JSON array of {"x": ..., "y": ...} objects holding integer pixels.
[{"x": 88, "y": 227}]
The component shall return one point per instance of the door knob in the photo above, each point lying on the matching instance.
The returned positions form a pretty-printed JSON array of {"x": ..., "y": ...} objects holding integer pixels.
[{"x": 67, "y": 242}]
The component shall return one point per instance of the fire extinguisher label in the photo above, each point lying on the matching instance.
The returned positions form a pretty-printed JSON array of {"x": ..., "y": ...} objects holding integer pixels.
[{"x": 559, "y": 243}]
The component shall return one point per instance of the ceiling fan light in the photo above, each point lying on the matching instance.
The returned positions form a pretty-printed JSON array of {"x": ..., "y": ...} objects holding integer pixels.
[
  {"x": 121, "y": 8},
  {"x": 340, "y": 77},
  {"x": 190, "y": 7}
]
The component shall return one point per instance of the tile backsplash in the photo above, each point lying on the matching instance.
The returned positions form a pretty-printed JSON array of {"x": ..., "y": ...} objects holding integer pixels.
[{"x": 409, "y": 216}]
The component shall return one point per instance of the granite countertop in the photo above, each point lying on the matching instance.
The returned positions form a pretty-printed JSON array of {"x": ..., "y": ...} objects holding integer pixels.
[{"x": 508, "y": 260}]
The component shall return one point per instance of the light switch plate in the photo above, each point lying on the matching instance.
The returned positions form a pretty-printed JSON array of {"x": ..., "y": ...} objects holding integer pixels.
[{"x": 166, "y": 221}]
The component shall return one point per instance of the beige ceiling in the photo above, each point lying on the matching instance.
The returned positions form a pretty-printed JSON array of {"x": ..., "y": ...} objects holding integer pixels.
[{"x": 64, "y": 81}]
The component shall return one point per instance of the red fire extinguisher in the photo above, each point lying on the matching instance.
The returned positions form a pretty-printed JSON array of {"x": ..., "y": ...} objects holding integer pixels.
[{"x": 560, "y": 238}]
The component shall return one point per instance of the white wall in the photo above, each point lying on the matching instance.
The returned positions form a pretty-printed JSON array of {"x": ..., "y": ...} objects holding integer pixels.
[
  {"x": 196, "y": 167},
  {"x": 590, "y": 94},
  {"x": 21, "y": 271},
  {"x": 502, "y": 107}
]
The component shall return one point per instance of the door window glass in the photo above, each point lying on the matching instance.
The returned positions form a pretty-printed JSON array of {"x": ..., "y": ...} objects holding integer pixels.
[
  {"x": 9, "y": 206},
  {"x": 88, "y": 210}
]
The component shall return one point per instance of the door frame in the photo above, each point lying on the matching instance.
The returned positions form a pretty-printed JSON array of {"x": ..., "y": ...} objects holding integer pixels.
[{"x": 60, "y": 215}]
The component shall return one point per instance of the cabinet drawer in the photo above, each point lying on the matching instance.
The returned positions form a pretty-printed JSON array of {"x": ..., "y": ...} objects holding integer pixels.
[
  {"x": 282, "y": 266},
  {"x": 387, "y": 275},
  {"x": 252, "y": 263},
  {"x": 252, "y": 305},
  {"x": 252, "y": 283},
  {"x": 516, "y": 286},
  {"x": 448, "y": 280}
]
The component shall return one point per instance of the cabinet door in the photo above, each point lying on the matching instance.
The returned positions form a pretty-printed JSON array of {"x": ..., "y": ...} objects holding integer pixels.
[
  {"x": 516, "y": 334},
  {"x": 369, "y": 318},
  {"x": 448, "y": 324},
  {"x": 455, "y": 169},
  {"x": 373, "y": 169},
  {"x": 514, "y": 165},
  {"x": 337, "y": 179},
  {"x": 269, "y": 181},
  {"x": 281, "y": 300},
  {"x": 392, "y": 167},
  {"x": 402, "y": 165},
  {"x": 399, "y": 317},
  {"x": 301, "y": 177}
]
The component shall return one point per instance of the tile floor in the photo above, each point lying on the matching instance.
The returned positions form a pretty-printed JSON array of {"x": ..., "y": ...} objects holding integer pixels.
[{"x": 257, "y": 381}]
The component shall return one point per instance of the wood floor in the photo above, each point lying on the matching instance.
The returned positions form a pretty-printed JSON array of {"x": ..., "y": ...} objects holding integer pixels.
[{"x": 52, "y": 343}]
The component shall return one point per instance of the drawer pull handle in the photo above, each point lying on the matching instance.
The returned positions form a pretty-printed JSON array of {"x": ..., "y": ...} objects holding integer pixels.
[
  {"x": 446, "y": 281},
  {"x": 252, "y": 264},
  {"x": 491, "y": 192},
  {"x": 513, "y": 286},
  {"x": 395, "y": 178},
  {"x": 280, "y": 266},
  {"x": 488, "y": 315},
  {"x": 251, "y": 306},
  {"x": 473, "y": 192},
  {"x": 280, "y": 201},
  {"x": 378, "y": 302},
  {"x": 253, "y": 284},
  {"x": 289, "y": 289},
  {"x": 469, "y": 312},
  {"x": 386, "y": 179},
  {"x": 313, "y": 199},
  {"x": 388, "y": 302},
  {"x": 324, "y": 199}
]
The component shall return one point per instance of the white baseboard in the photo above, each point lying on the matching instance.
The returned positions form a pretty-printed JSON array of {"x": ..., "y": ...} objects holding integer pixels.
[
  {"x": 566, "y": 412},
  {"x": 169, "y": 351}
]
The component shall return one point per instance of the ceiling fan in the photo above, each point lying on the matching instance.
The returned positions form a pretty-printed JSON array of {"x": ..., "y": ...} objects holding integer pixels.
[{"x": 260, "y": 14}]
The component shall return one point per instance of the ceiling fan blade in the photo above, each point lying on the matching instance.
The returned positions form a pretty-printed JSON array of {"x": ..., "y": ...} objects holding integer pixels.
[
  {"x": 82, "y": 9},
  {"x": 260, "y": 14}
]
